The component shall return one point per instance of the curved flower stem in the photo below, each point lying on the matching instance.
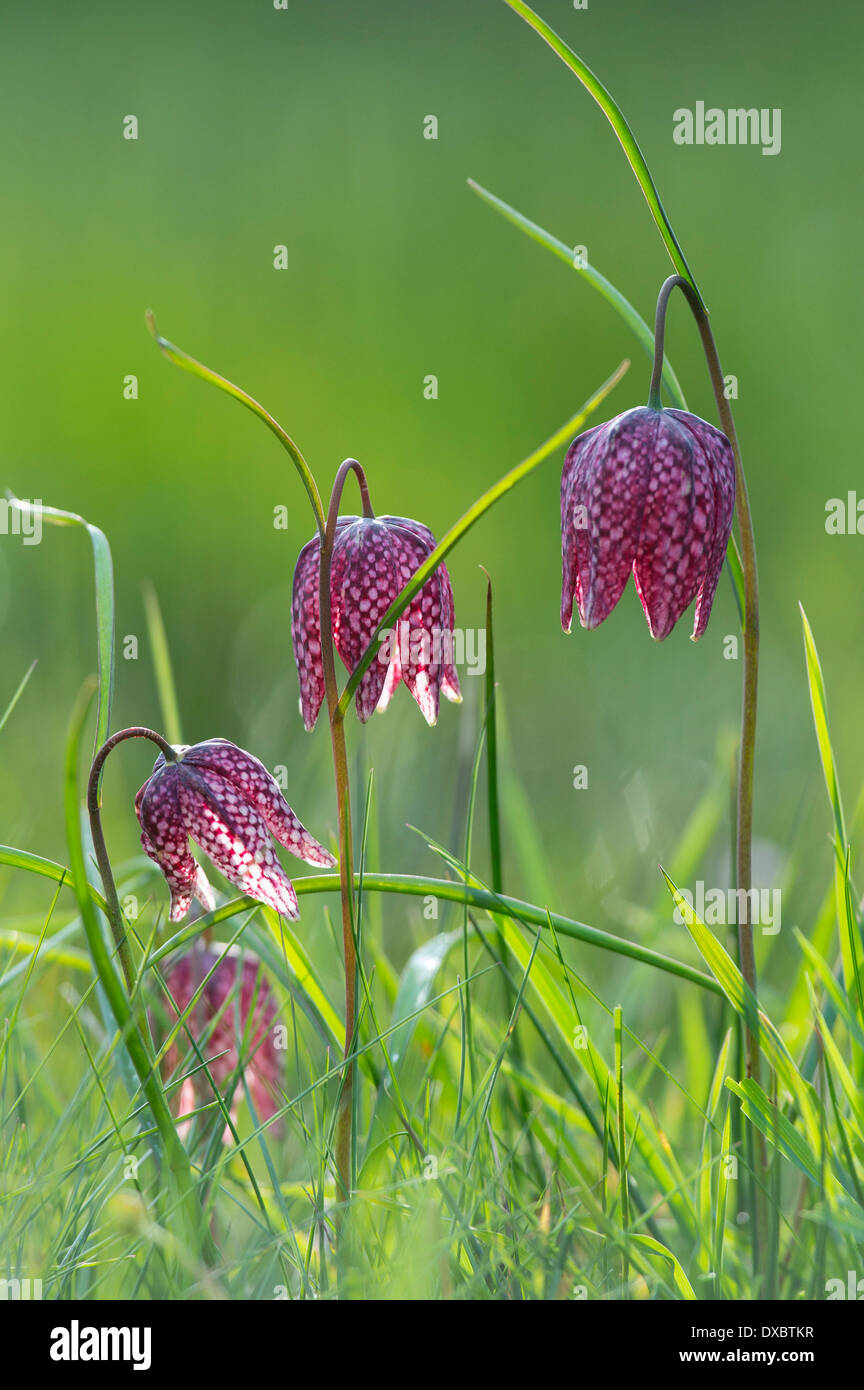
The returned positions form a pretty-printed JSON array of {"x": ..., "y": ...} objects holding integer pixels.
[
  {"x": 654, "y": 390},
  {"x": 121, "y": 1000},
  {"x": 94, "y": 810},
  {"x": 343, "y": 809},
  {"x": 470, "y": 518},
  {"x": 750, "y": 618},
  {"x": 744, "y": 799}
]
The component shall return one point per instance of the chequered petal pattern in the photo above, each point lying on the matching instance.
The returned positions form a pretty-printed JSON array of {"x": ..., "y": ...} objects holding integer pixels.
[
  {"x": 229, "y": 804},
  {"x": 363, "y": 584},
  {"x": 256, "y": 785},
  {"x": 652, "y": 491},
  {"x": 576, "y": 525},
  {"x": 306, "y": 632},
  {"x": 420, "y": 654},
  {"x": 718, "y": 451},
  {"x": 677, "y": 527},
  {"x": 234, "y": 1014},
  {"x": 166, "y": 842},
  {"x": 233, "y": 834},
  {"x": 373, "y": 559},
  {"x": 449, "y": 679}
]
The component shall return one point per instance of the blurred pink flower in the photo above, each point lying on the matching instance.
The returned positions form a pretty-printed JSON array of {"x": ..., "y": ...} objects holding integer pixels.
[{"x": 235, "y": 1007}]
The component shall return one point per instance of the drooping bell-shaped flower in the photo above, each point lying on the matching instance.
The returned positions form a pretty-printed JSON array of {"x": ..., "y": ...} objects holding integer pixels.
[
  {"x": 232, "y": 1021},
  {"x": 652, "y": 491},
  {"x": 230, "y": 805},
  {"x": 373, "y": 559}
]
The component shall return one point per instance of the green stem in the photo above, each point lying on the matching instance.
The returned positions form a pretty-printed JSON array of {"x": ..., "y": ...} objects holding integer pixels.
[
  {"x": 686, "y": 281},
  {"x": 343, "y": 810},
  {"x": 118, "y": 999},
  {"x": 744, "y": 800},
  {"x": 94, "y": 810},
  {"x": 492, "y": 751},
  {"x": 654, "y": 390}
]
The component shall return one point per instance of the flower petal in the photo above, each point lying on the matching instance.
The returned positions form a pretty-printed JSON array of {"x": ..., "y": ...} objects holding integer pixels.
[
  {"x": 165, "y": 840},
  {"x": 722, "y": 464},
  {"x": 233, "y": 834},
  {"x": 306, "y": 632},
  {"x": 604, "y": 508},
  {"x": 248, "y": 775},
  {"x": 677, "y": 527},
  {"x": 420, "y": 654},
  {"x": 363, "y": 584},
  {"x": 449, "y": 678}
]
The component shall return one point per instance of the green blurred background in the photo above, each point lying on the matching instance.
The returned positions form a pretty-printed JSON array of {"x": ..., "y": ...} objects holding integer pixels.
[{"x": 305, "y": 127}]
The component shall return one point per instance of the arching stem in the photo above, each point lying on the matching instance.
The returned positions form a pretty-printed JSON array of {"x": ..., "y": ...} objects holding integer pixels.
[
  {"x": 747, "y": 747},
  {"x": 94, "y": 810},
  {"x": 122, "y": 1002},
  {"x": 343, "y": 810}
]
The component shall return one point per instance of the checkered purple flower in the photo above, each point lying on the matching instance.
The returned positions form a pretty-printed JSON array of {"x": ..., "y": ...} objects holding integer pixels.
[
  {"x": 230, "y": 805},
  {"x": 233, "y": 1020},
  {"x": 652, "y": 491},
  {"x": 373, "y": 559}
]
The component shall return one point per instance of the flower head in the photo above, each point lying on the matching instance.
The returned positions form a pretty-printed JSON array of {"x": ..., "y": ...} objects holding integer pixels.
[
  {"x": 230, "y": 805},
  {"x": 652, "y": 491},
  {"x": 373, "y": 559},
  {"x": 232, "y": 1019}
]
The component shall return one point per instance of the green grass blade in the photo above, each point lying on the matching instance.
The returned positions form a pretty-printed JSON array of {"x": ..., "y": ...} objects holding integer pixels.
[
  {"x": 744, "y": 1003},
  {"x": 777, "y": 1129},
  {"x": 103, "y": 572},
  {"x": 820, "y": 719},
  {"x": 494, "y": 810},
  {"x": 446, "y": 889},
  {"x": 190, "y": 364},
  {"x": 162, "y": 667},
  {"x": 470, "y": 518},
  {"x": 616, "y": 119},
  {"x": 847, "y": 925},
  {"x": 631, "y": 316},
  {"x": 679, "y": 1278},
  {"x": 18, "y": 693},
  {"x": 722, "y": 1195},
  {"x": 110, "y": 980}
]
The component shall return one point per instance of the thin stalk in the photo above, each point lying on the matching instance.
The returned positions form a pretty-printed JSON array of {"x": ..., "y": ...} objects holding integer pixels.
[
  {"x": 492, "y": 751},
  {"x": 94, "y": 810},
  {"x": 746, "y": 751},
  {"x": 119, "y": 999},
  {"x": 744, "y": 799},
  {"x": 343, "y": 811},
  {"x": 750, "y": 618}
]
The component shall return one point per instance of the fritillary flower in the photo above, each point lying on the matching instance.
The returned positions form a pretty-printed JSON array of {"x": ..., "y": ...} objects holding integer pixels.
[
  {"x": 652, "y": 491},
  {"x": 230, "y": 805},
  {"x": 373, "y": 559},
  {"x": 235, "y": 1008}
]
